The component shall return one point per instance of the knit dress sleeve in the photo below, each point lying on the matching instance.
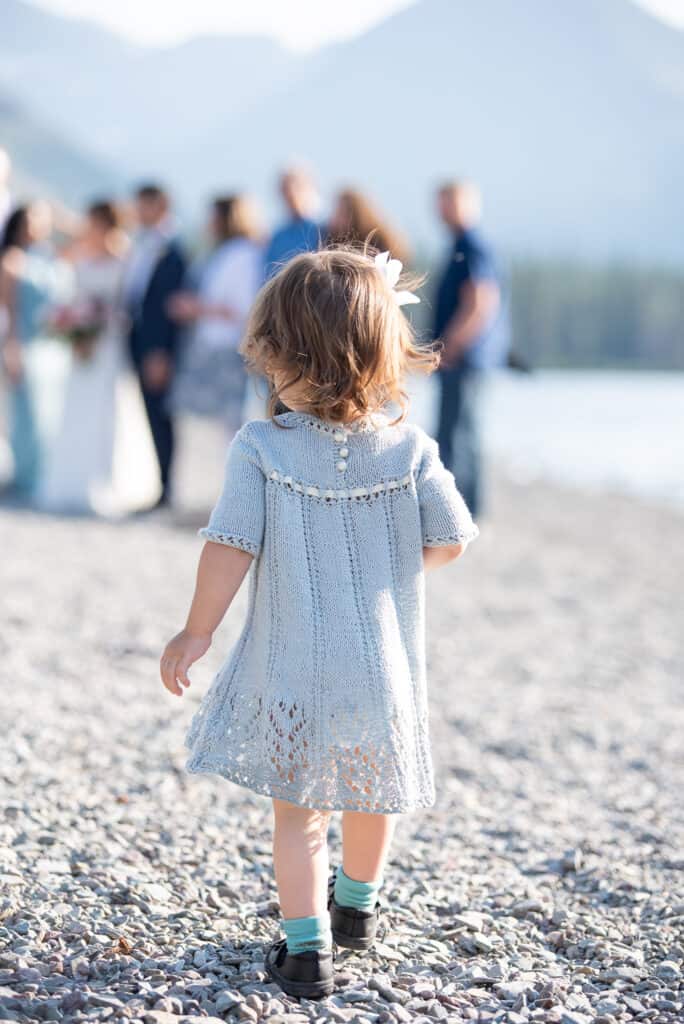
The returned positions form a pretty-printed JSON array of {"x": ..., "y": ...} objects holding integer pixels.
[
  {"x": 444, "y": 515},
  {"x": 238, "y": 516}
]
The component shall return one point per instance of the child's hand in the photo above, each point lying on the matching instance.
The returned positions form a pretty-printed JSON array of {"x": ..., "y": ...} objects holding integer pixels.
[{"x": 179, "y": 654}]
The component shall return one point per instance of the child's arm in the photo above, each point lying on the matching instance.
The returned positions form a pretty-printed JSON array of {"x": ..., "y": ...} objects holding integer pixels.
[
  {"x": 220, "y": 573},
  {"x": 235, "y": 534},
  {"x": 446, "y": 524},
  {"x": 433, "y": 558}
]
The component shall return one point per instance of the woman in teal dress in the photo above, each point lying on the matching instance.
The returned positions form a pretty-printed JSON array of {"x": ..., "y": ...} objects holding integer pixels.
[{"x": 26, "y": 288}]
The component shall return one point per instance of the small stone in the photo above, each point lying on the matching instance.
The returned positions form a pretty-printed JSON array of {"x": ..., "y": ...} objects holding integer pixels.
[
  {"x": 635, "y": 1005},
  {"x": 607, "y": 1006},
  {"x": 29, "y": 974},
  {"x": 571, "y": 861},
  {"x": 526, "y": 907},
  {"x": 157, "y": 892},
  {"x": 226, "y": 1000},
  {"x": 574, "y": 1017},
  {"x": 668, "y": 970},
  {"x": 476, "y": 976},
  {"x": 355, "y": 995},
  {"x": 80, "y": 967},
  {"x": 256, "y": 1003},
  {"x": 387, "y": 953},
  {"x": 510, "y": 991},
  {"x": 387, "y": 992},
  {"x": 482, "y": 943},
  {"x": 423, "y": 991},
  {"x": 666, "y": 1004},
  {"x": 400, "y": 1012},
  {"x": 102, "y": 999},
  {"x": 469, "y": 919},
  {"x": 287, "y": 1018}
]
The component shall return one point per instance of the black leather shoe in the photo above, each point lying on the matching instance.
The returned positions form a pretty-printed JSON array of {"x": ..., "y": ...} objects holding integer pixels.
[
  {"x": 302, "y": 975},
  {"x": 352, "y": 928}
]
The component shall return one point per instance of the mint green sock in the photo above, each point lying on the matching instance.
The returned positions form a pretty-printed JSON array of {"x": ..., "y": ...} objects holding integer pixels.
[
  {"x": 360, "y": 895},
  {"x": 308, "y": 933}
]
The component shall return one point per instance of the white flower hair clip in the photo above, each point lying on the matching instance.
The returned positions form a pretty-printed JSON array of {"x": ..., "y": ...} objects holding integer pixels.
[{"x": 391, "y": 271}]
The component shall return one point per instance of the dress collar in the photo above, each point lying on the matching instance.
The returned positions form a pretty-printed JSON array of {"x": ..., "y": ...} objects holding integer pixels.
[{"x": 372, "y": 422}]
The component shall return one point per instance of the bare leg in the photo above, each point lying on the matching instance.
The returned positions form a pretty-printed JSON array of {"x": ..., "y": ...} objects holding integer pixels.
[
  {"x": 365, "y": 842},
  {"x": 300, "y": 859}
]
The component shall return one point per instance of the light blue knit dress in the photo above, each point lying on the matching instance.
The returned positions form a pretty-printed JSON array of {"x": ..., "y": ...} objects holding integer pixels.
[{"x": 323, "y": 700}]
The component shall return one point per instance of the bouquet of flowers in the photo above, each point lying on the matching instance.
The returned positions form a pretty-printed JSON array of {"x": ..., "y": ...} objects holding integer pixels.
[{"x": 80, "y": 324}]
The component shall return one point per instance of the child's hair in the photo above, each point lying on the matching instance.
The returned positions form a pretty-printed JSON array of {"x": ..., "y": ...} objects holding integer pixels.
[{"x": 328, "y": 322}]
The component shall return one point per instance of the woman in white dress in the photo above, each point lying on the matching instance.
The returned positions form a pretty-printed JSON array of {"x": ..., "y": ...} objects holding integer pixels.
[
  {"x": 212, "y": 380},
  {"x": 96, "y": 420}
]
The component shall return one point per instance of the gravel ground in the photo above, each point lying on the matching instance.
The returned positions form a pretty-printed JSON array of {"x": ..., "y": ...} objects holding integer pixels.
[{"x": 545, "y": 885}]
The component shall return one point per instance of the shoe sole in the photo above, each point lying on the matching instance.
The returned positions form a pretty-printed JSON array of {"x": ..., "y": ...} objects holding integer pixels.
[
  {"x": 302, "y": 989},
  {"x": 350, "y": 942}
]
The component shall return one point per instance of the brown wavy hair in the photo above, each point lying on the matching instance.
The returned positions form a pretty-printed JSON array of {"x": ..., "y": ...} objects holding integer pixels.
[
  {"x": 236, "y": 216},
  {"x": 328, "y": 325},
  {"x": 367, "y": 225}
]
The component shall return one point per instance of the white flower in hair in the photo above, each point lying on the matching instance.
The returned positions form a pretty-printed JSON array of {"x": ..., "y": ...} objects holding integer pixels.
[{"x": 391, "y": 271}]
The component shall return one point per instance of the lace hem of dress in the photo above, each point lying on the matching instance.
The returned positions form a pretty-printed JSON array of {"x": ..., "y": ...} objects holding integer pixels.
[
  {"x": 230, "y": 540},
  {"x": 458, "y": 537},
  {"x": 198, "y": 765}
]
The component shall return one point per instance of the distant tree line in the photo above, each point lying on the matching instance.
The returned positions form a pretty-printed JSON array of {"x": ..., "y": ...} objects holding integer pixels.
[{"x": 566, "y": 314}]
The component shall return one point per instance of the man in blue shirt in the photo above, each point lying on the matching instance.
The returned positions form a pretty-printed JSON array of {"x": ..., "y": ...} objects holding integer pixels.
[
  {"x": 301, "y": 233},
  {"x": 470, "y": 324}
]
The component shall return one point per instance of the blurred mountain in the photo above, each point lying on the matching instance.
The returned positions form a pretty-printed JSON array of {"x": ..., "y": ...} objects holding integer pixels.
[
  {"x": 132, "y": 104},
  {"x": 45, "y": 163},
  {"x": 570, "y": 114}
]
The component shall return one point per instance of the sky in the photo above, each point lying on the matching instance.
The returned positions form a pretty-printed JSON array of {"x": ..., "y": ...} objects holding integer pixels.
[{"x": 299, "y": 24}]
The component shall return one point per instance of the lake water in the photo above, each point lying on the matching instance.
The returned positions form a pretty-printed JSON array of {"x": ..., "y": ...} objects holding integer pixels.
[{"x": 599, "y": 430}]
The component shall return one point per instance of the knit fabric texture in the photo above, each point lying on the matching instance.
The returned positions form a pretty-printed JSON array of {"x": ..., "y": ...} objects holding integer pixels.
[{"x": 323, "y": 701}]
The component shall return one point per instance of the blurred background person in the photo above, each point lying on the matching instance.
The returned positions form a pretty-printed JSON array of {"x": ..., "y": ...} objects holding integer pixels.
[
  {"x": 468, "y": 322},
  {"x": 301, "y": 231},
  {"x": 355, "y": 219},
  {"x": 154, "y": 272},
  {"x": 212, "y": 380},
  {"x": 28, "y": 284},
  {"x": 5, "y": 191},
  {"x": 79, "y": 462}
]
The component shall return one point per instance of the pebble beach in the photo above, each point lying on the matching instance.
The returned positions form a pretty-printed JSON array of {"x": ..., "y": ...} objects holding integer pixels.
[{"x": 547, "y": 883}]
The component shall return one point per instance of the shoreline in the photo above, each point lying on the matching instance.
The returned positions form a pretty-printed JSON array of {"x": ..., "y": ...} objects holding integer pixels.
[{"x": 581, "y": 421}]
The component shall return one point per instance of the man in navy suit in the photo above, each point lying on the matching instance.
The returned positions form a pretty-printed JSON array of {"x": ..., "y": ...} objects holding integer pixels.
[{"x": 155, "y": 270}]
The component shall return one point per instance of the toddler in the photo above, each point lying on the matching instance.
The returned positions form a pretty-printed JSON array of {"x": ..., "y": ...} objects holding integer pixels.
[{"x": 335, "y": 509}]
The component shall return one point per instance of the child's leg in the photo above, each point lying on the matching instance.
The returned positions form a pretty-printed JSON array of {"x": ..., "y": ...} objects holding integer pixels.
[
  {"x": 300, "y": 859},
  {"x": 365, "y": 841}
]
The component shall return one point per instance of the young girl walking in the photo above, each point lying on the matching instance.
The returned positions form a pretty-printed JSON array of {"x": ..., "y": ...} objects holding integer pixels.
[{"x": 336, "y": 510}]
